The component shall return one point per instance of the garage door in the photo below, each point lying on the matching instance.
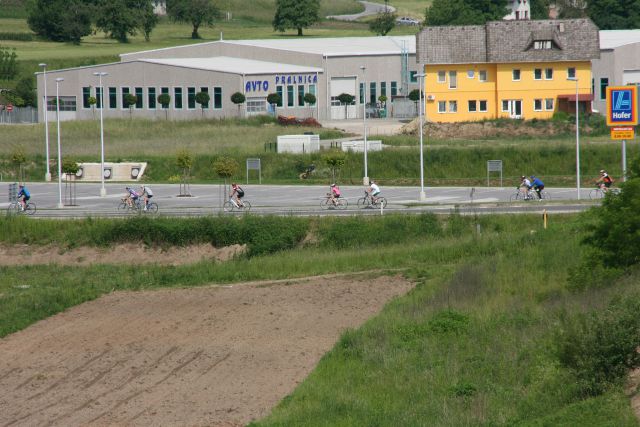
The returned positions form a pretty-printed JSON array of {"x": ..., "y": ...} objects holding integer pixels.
[{"x": 341, "y": 85}]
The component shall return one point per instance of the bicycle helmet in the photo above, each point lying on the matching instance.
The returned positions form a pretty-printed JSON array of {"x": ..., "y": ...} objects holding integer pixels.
[
  {"x": 333, "y": 185},
  {"x": 127, "y": 188},
  {"x": 602, "y": 171},
  {"x": 532, "y": 177},
  {"x": 522, "y": 177}
]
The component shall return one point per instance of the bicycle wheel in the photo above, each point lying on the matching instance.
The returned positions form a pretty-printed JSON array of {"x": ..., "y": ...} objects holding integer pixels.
[
  {"x": 515, "y": 197},
  {"x": 122, "y": 207},
  {"x": 595, "y": 194},
  {"x": 228, "y": 206},
  {"x": 380, "y": 201},
  {"x": 30, "y": 209},
  {"x": 247, "y": 205},
  {"x": 342, "y": 203},
  {"x": 545, "y": 195},
  {"x": 13, "y": 209},
  {"x": 325, "y": 203},
  {"x": 152, "y": 208},
  {"x": 363, "y": 202}
]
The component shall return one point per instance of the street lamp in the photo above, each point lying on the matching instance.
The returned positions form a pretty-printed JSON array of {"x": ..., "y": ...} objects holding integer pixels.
[
  {"x": 365, "y": 180},
  {"x": 575, "y": 79},
  {"x": 47, "y": 175},
  {"x": 103, "y": 191},
  {"x": 423, "y": 196},
  {"x": 58, "y": 80}
]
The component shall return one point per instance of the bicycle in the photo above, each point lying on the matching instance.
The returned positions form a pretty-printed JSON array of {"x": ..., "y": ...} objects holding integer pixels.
[
  {"x": 530, "y": 194},
  {"x": 15, "y": 208},
  {"x": 231, "y": 205},
  {"x": 367, "y": 202},
  {"x": 340, "y": 203},
  {"x": 599, "y": 193},
  {"x": 137, "y": 205}
]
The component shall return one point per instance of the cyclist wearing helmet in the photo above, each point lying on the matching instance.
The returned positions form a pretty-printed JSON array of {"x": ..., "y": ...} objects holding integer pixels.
[
  {"x": 525, "y": 186},
  {"x": 131, "y": 196},
  {"x": 334, "y": 194},
  {"x": 237, "y": 193},
  {"x": 605, "y": 181},
  {"x": 373, "y": 190},
  {"x": 537, "y": 185},
  {"x": 23, "y": 196}
]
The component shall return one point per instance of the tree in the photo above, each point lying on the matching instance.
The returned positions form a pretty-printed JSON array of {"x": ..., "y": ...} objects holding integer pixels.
[
  {"x": 25, "y": 89},
  {"x": 164, "y": 99},
  {"x": 19, "y": 158},
  {"x": 614, "y": 14},
  {"x": 184, "y": 160},
  {"x": 122, "y": 18},
  {"x": 225, "y": 168},
  {"x": 8, "y": 63},
  {"x": 464, "y": 12},
  {"x": 345, "y": 99},
  {"x": 203, "y": 99},
  {"x": 383, "y": 23},
  {"x": 310, "y": 99},
  {"x": 296, "y": 14},
  {"x": 335, "y": 159},
  {"x": 60, "y": 20},
  {"x": 274, "y": 99},
  {"x": 93, "y": 101},
  {"x": 194, "y": 12},
  {"x": 129, "y": 101},
  {"x": 238, "y": 98}
]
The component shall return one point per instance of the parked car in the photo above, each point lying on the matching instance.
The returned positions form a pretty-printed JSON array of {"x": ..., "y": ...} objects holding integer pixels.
[{"x": 405, "y": 20}]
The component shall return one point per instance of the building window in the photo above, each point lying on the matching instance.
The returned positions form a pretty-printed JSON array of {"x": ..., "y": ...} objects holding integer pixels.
[
  {"x": 98, "y": 97},
  {"x": 86, "y": 93},
  {"x": 548, "y": 73},
  {"x": 383, "y": 88},
  {"x": 453, "y": 79},
  {"x": 482, "y": 75},
  {"x": 537, "y": 105},
  {"x": 164, "y": 90},
  {"x": 113, "y": 97},
  {"x": 413, "y": 76},
  {"x": 453, "y": 106},
  {"x": 505, "y": 106},
  {"x": 312, "y": 90},
  {"x": 125, "y": 91},
  {"x": 604, "y": 83},
  {"x": 571, "y": 72},
  {"x": 151, "y": 98},
  {"x": 177, "y": 95},
  {"x": 205, "y": 90},
  {"x": 471, "y": 74},
  {"x": 361, "y": 93},
  {"x": 256, "y": 105},
  {"x": 373, "y": 96},
  {"x": 537, "y": 74},
  {"x": 217, "y": 98},
  {"x": 548, "y": 104},
  {"x": 483, "y": 106},
  {"x": 442, "y": 76},
  {"x": 280, "y": 93},
  {"x": 473, "y": 106},
  {"x": 67, "y": 103},
  {"x": 191, "y": 98},
  {"x": 139, "y": 97},
  {"x": 515, "y": 75},
  {"x": 542, "y": 45},
  {"x": 394, "y": 89},
  {"x": 300, "y": 95},
  {"x": 442, "y": 106},
  {"x": 290, "y": 98}
]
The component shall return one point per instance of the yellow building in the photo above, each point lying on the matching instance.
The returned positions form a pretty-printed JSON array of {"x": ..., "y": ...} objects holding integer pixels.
[{"x": 510, "y": 69}]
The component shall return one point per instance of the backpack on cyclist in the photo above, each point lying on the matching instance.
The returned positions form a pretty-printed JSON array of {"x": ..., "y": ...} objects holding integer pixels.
[{"x": 240, "y": 191}]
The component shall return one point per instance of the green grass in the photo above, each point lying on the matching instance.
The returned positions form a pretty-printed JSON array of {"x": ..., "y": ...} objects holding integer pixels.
[{"x": 472, "y": 344}]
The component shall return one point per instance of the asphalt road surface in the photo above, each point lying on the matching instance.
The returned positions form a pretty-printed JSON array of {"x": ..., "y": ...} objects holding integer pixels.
[{"x": 294, "y": 199}]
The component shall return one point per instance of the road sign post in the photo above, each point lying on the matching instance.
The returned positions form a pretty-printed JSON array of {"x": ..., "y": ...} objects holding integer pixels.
[{"x": 622, "y": 115}]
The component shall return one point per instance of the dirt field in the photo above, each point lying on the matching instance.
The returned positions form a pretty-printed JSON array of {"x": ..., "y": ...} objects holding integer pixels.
[{"x": 219, "y": 356}]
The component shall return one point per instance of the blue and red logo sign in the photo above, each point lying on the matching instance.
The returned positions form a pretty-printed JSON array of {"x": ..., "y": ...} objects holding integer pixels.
[{"x": 622, "y": 106}]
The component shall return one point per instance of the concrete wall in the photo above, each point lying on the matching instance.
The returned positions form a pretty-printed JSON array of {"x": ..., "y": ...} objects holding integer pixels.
[{"x": 611, "y": 65}]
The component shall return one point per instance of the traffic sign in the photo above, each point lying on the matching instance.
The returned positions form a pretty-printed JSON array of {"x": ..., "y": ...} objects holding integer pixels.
[
  {"x": 622, "y": 132},
  {"x": 9, "y": 108},
  {"x": 622, "y": 105}
]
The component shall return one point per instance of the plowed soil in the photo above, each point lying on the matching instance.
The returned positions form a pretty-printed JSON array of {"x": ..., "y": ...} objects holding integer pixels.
[{"x": 214, "y": 356}]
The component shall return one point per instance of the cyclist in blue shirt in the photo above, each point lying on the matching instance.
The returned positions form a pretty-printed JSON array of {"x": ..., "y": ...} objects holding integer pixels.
[
  {"x": 23, "y": 196},
  {"x": 537, "y": 185}
]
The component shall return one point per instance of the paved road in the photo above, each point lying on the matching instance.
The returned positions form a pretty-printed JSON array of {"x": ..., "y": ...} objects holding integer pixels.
[
  {"x": 297, "y": 200},
  {"x": 369, "y": 9}
]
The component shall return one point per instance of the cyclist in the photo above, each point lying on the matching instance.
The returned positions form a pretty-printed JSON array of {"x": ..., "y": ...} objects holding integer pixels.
[
  {"x": 525, "y": 186},
  {"x": 23, "y": 196},
  {"x": 147, "y": 194},
  {"x": 237, "y": 193},
  {"x": 131, "y": 196},
  {"x": 537, "y": 185},
  {"x": 373, "y": 191},
  {"x": 605, "y": 181},
  {"x": 334, "y": 194}
]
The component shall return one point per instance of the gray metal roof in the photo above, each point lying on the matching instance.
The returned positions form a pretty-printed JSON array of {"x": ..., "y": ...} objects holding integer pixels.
[
  {"x": 611, "y": 39},
  {"x": 230, "y": 65},
  {"x": 509, "y": 41}
]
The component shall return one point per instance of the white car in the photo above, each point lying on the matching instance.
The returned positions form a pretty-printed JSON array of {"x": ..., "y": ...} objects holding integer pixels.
[{"x": 405, "y": 20}]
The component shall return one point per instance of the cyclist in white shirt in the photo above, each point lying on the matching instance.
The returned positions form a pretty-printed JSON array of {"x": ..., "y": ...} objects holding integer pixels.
[
  {"x": 147, "y": 194},
  {"x": 373, "y": 191}
]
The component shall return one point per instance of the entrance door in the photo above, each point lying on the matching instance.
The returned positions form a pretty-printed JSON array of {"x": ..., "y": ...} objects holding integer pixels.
[{"x": 513, "y": 107}]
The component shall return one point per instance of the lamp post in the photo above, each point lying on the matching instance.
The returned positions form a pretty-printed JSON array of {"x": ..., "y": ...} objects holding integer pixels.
[
  {"x": 365, "y": 179},
  {"x": 575, "y": 79},
  {"x": 60, "y": 205},
  {"x": 47, "y": 175},
  {"x": 103, "y": 191},
  {"x": 423, "y": 195}
]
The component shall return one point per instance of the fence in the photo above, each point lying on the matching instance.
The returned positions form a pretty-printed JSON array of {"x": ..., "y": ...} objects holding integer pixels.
[
  {"x": 19, "y": 115},
  {"x": 404, "y": 108}
]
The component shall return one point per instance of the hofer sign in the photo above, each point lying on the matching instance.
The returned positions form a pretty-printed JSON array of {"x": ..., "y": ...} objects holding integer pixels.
[{"x": 622, "y": 106}]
